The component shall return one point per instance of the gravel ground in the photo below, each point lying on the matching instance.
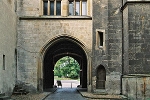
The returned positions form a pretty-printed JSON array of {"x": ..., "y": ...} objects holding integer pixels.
[
  {"x": 92, "y": 96},
  {"x": 31, "y": 96}
]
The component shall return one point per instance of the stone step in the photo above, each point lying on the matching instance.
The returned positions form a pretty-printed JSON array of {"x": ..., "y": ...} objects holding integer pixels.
[
  {"x": 2, "y": 94},
  {"x": 20, "y": 90},
  {"x": 20, "y": 93},
  {"x": 10, "y": 99},
  {"x": 17, "y": 88},
  {"x": 5, "y": 98},
  {"x": 17, "y": 93}
]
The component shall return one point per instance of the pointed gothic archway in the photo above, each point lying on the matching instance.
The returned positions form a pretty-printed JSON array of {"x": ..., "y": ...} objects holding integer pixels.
[
  {"x": 100, "y": 77},
  {"x": 58, "y": 48}
]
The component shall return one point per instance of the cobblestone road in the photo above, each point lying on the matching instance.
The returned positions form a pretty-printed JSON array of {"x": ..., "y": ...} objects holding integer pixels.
[{"x": 65, "y": 94}]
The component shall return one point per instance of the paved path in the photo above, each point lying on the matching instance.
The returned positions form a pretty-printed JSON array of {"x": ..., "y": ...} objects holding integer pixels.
[
  {"x": 65, "y": 94},
  {"x": 69, "y": 83}
]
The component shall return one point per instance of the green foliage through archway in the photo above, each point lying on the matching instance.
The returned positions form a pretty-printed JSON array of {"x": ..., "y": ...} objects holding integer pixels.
[{"x": 67, "y": 67}]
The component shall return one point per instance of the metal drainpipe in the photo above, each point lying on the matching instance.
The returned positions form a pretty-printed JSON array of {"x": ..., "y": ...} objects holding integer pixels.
[{"x": 122, "y": 53}]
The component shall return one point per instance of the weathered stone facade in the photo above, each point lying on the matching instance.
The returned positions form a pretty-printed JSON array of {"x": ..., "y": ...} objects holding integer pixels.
[
  {"x": 107, "y": 16},
  {"x": 38, "y": 33},
  {"x": 136, "y": 38},
  {"x": 7, "y": 46},
  {"x": 111, "y": 45},
  {"x": 136, "y": 87},
  {"x": 136, "y": 50}
]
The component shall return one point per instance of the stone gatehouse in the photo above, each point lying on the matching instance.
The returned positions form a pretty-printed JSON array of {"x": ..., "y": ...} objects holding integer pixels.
[{"x": 109, "y": 39}]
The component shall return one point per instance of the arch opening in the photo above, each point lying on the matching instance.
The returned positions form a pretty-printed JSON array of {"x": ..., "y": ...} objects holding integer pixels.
[
  {"x": 61, "y": 48},
  {"x": 67, "y": 71},
  {"x": 100, "y": 77}
]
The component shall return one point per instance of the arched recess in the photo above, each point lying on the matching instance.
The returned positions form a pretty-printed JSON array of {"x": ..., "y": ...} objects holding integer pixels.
[
  {"x": 56, "y": 49},
  {"x": 100, "y": 77}
]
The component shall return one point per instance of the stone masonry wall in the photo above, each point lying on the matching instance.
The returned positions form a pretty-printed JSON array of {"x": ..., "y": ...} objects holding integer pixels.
[
  {"x": 137, "y": 52},
  {"x": 100, "y": 20},
  {"x": 28, "y": 8},
  {"x": 34, "y": 8},
  {"x": 7, "y": 46},
  {"x": 136, "y": 77},
  {"x": 107, "y": 17},
  {"x": 33, "y": 35},
  {"x": 114, "y": 46},
  {"x": 137, "y": 87}
]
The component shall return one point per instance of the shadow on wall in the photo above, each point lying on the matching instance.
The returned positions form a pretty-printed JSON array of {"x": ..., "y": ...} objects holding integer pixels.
[
  {"x": 26, "y": 87},
  {"x": 7, "y": 89}
]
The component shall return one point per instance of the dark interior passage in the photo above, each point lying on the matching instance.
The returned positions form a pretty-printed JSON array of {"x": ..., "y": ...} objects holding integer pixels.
[{"x": 61, "y": 48}]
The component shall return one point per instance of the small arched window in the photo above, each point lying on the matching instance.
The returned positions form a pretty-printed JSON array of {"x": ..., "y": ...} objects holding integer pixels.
[{"x": 100, "y": 77}]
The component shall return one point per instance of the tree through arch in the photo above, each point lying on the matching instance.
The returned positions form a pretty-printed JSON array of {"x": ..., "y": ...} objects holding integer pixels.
[{"x": 67, "y": 67}]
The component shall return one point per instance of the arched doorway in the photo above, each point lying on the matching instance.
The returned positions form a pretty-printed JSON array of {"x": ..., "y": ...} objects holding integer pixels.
[
  {"x": 100, "y": 77},
  {"x": 62, "y": 47}
]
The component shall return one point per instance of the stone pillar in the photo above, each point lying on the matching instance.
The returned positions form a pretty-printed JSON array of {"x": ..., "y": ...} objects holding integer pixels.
[{"x": 64, "y": 7}]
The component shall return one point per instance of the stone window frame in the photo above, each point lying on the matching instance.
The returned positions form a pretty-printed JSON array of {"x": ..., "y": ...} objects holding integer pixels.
[
  {"x": 48, "y": 7},
  {"x": 98, "y": 40},
  {"x": 80, "y": 7},
  {"x": 88, "y": 11}
]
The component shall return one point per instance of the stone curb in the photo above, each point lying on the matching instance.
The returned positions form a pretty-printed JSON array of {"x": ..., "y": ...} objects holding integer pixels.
[{"x": 96, "y": 96}]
